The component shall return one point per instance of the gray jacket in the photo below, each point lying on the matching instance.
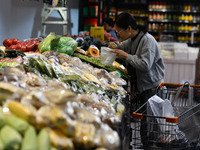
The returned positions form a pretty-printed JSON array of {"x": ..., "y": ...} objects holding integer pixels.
[{"x": 147, "y": 60}]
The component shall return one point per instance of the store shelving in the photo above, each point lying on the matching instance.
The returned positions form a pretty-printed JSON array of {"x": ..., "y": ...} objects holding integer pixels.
[
  {"x": 177, "y": 19},
  {"x": 89, "y": 14},
  {"x": 139, "y": 9}
]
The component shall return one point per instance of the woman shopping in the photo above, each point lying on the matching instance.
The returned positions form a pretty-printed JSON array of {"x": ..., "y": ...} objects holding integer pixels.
[{"x": 142, "y": 58}]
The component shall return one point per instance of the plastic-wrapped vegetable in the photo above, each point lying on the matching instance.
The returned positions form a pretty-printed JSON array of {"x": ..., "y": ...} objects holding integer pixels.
[
  {"x": 45, "y": 45},
  {"x": 63, "y": 44}
]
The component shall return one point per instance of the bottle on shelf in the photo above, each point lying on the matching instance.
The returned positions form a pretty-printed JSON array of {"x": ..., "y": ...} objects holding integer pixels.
[
  {"x": 164, "y": 5},
  {"x": 150, "y": 5}
]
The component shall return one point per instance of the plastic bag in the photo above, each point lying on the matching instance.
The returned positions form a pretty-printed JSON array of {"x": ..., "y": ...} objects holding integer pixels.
[
  {"x": 170, "y": 131},
  {"x": 45, "y": 45},
  {"x": 160, "y": 107},
  {"x": 63, "y": 44},
  {"x": 107, "y": 57}
]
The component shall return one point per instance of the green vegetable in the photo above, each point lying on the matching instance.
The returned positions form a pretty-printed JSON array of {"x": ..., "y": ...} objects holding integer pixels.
[
  {"x": 2, "y": 118},
  {"x": 43, "y": 140},
  {"x": 11, "y": 53},
  {"x": 1, "y": 144},
  {"x": 13, "y": 64},
  {"x": 10, "y": 138},
  {"x": 17, "y": 123},
  {"x": 45, "y": 45},
  {"x": 45, "y": 67},
  {"x": 30, "y": 139},
  {"x": 63, "y": 44}
]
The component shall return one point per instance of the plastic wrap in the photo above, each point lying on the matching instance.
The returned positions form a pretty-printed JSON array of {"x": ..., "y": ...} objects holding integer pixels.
[{"x": 63, "y": 44}]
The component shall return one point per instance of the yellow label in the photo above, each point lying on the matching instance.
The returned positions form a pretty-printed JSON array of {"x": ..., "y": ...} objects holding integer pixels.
[{"x": 97, "y": 32}]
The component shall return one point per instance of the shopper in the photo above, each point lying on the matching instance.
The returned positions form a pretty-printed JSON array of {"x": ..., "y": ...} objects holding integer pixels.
[
  {"x": 108, "y": 24},
  {"x": 143, "y": 60}
]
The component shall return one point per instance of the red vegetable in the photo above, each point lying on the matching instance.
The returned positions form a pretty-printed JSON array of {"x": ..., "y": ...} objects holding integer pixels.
[
  {"x": 7, "y": 42},
  {"x": 36, "y": 45},
  {"x": 15, "y": 41},
  {"x": 5, "y": 59},
  {"x": 12, "y": 47},
  {"x": 22, "y": 43},
  {"x": 18, "y": 46},
  {"x": 23, "y": 48},
  {"x": 30, "y": 46}
]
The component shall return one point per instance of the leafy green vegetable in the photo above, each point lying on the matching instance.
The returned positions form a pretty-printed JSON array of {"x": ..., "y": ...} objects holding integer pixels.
[
  {"x": 13, "y": 64},
  {"x": 63, "y": 44},
  {"x": 45, "y": 45}
]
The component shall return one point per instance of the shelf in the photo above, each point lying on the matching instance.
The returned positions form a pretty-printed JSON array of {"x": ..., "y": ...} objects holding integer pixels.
[
  {"x": 89, "y": 14},
  {"x": 194, "y": 22},
  {"x": 189, "y": 12},
  {"x": 174, "y": 21},
  {"x": 177, "y": 11},
  {"x": 140, "y": 16},
  {"x": 90, "y": 17},
  {"x": 137, "y": 6},
  {"x": 163, "y": 21},
  {"x": 172, "y": 31},
  {"x": 162, "y": 10}
]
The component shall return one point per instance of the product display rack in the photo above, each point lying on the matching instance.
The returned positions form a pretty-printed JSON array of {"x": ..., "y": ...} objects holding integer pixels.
[
  {"x": 137, "y": 8},
  {"x": 89, "y": 14},
  {"x": 177, "y": 21}
]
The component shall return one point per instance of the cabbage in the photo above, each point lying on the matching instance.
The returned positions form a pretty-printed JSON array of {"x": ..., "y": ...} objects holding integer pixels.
[{"x": 63, "y": 44}]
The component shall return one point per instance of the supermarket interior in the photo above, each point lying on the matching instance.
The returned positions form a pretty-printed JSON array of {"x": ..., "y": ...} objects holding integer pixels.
[{"x": 61, "y": 88}]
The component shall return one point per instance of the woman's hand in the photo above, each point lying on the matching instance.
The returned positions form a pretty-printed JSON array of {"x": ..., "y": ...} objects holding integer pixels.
[
  {"x": 120, "y": 53},
  {"x": 112, "y": 45}
]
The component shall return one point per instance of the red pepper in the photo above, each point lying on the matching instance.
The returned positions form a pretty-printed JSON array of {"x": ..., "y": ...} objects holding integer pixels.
[
  {"x": 5, "y": 59},
  {"x": 18, "y": 59}
]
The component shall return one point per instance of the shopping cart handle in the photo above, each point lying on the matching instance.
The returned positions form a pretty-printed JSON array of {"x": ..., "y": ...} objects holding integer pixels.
[
  {"x": 172, "y": 119},
  {"x": 137, "y": 115},
  {"x": 177, "y": 85}
]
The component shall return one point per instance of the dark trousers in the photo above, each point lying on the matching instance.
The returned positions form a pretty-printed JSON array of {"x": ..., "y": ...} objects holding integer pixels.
[{"x": 138, "y": 100}]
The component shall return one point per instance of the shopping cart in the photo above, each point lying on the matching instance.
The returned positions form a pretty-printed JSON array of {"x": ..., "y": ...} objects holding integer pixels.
[{"x": 182, "y": 132}]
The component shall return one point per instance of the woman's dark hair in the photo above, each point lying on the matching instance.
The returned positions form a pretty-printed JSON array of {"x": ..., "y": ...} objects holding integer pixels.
[
  {"x": 109, "y": 21},
  {"x": 124, "y": 20}
]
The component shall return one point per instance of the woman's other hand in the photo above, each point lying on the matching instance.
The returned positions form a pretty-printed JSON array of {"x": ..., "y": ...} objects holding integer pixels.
[{"x": 120, "y": 53}]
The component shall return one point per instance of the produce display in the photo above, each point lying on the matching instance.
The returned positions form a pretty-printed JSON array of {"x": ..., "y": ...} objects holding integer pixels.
[{"x": 54, "y": 101}]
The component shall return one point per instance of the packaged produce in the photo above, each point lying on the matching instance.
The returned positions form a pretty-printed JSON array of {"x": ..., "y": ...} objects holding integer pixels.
[
  {"x": 59, "y": 96},
  {"x": 13, "y": 64},
  {"x": 23, "y": 111},
  {"x": 45, "y": 44},
  {"x": 65, "y": 45},
  {"x": 84, "y": 135},
  {"x": 8, "y": 90},
  {"x": 63, "y": 102},
  {"x": 59, "y": 140},
  {"x": 92, "y": 51}
]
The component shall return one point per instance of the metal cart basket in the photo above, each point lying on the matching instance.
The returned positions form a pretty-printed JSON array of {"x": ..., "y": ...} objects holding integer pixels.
[{"x": 180, "y": 132}]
